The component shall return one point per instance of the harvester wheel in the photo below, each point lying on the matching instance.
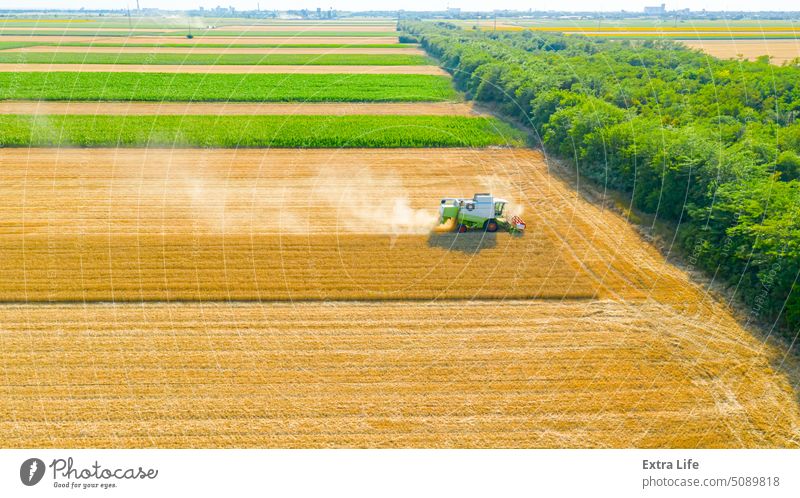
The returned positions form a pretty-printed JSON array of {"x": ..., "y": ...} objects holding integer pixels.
[
  {"x": 461, "y": 228},
  {"x": 491, "y": 226}
]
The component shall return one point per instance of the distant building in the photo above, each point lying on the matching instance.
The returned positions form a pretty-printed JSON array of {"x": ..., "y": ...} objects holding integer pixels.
[{"x": 655, "y": 11}]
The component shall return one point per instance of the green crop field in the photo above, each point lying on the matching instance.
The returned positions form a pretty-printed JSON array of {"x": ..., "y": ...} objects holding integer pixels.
[
  {"x": 9, "y": 45},
  {"x": 43, "y": 31},
  {"x": 216, "y": 59},
  {"x": 66, "y": 32},
  {"x": 227, "y": 45},
  {"x": 255, "y": 131},
  {"x": 184, "y": 87},
  {"x": 301, "y": 33}
]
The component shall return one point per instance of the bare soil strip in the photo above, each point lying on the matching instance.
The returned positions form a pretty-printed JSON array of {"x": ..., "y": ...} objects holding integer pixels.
[
  {"x": 227, "y": 109},
  {"x": 780, "y": 50},
  {"x": 226, "y": 69},
  {"x": 220, "y": 51}
]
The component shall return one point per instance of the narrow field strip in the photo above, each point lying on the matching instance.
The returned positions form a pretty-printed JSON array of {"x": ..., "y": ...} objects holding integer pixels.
[
  {"x": 4, "y": 45},
  {"x": 244, "y": 40},
  {"x": 224, "y": 32},
  {"x": 472, "y": 374},
  {"x": 160, "y": 87},
  {"x": 67, "y": 44},
  {"x": 220, "y": 50},
  {"x": 313, "y": 28},
  {"x": 255, "y": 131},
  {"x": 67, "y": 32},
  {"x": 238, "y": 109},
  {"x": 220, "y": 69},
  {"x": 211, "y": 33},
  {"x": 49, "y": 28},
  {"x": 189, "y": 59}
]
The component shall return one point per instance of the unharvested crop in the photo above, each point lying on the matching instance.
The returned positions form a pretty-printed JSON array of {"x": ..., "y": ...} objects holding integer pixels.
[
  {"x": 214, "y": 59},
  {"x": 225, "y": 87},
  {"x": 255, "y": 131}
]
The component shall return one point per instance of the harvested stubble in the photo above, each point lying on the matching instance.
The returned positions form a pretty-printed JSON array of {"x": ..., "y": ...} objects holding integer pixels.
[{"x": 478, "y": 374}]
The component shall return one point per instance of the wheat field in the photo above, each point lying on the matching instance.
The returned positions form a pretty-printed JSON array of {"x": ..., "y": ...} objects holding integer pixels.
[{"x": 267, "y": 332}]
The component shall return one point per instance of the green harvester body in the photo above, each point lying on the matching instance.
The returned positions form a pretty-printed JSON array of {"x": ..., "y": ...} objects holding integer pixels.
[{"x": 482, "y": 212}]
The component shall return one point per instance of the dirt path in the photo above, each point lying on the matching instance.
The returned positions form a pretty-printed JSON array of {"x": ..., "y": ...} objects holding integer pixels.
[
  {"x": 385, "y": 339},
  {"x": 780, "y": 50},
  {"x": 223, "y": 69},
  {"x": 220, "y": 51},
  {"x": 227, "y": 109}
]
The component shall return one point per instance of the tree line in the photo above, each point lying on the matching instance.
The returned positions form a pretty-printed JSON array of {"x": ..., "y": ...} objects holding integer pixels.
[{"x": 710, "y": 145}]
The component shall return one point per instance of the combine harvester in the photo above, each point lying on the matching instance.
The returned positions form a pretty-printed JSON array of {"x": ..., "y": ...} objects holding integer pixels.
[{"x": 482, "y": 212}]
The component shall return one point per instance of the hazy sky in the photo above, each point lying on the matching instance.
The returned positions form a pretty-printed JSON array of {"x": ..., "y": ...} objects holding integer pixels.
[{"x": 585, "y": 5}]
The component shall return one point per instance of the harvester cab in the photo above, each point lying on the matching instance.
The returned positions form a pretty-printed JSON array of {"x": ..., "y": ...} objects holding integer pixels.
[{"x": 482, "y": 212}]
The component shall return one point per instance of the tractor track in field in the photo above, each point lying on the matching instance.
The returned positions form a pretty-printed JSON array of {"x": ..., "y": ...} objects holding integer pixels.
[{"x": 238, "y": 109}]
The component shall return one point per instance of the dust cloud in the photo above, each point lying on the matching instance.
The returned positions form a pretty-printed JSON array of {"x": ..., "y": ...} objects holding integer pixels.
[{"x": 367, "y": 203}]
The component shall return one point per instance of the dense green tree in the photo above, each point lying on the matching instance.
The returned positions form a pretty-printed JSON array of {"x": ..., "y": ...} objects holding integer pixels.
[{"x": 712, "y": 145}]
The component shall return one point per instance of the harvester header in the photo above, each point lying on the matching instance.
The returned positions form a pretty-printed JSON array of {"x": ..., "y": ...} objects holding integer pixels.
[{"x": 482, "y": 212}]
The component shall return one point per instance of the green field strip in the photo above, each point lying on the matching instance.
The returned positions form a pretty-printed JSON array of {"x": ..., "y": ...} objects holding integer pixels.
[
  {"x": 200, "y": 33},
  {"x": 256, "y": 131},
  {"x": 183, "y": 87},
  {"x": 231, "y": 45},
  {"x": 216, "y": 59},
  {"x": 10, "y": 45},
  {"x": 67, "y": 32}
]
